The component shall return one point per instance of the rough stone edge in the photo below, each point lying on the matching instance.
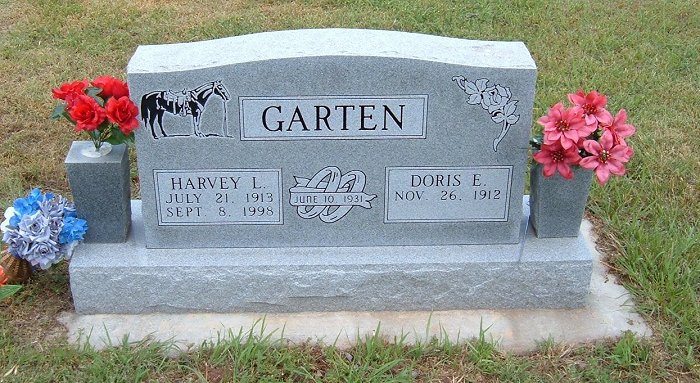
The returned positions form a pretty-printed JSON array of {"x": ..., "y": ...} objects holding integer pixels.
[
  {"x": 549, "y": 273},
  {"x": 609, "y": 312},
  {"x": 329, "y": 42}
]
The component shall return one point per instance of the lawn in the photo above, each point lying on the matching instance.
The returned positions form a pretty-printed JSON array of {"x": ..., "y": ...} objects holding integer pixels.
[{"x": 643, "y": 54}]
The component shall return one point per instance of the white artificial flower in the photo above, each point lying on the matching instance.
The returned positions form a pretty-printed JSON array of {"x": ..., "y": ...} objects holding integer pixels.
[{"x": 9, "y": 213}]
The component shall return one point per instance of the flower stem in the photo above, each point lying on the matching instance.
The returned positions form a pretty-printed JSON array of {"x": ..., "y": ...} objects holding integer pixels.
[
  {"x": 95, "y": 137},
  {"x": 504, "y": 131},
  {"x": 98, "y": 137}
]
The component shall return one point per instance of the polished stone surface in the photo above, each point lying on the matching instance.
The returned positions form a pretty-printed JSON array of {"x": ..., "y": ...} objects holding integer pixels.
[{"x": 329, "y": 112}]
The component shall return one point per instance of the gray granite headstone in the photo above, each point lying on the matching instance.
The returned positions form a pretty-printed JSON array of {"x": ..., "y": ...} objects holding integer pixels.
[{"x": 332, "y": 137}]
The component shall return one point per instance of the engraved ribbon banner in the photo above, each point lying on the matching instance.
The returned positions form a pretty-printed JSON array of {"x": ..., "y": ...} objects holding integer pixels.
[{"x": 329, "y": 194}]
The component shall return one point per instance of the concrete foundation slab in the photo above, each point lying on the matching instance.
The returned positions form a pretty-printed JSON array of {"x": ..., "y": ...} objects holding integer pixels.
[
  {"x": 131, "y": 279},
  {"x": 608, "y": 312}
]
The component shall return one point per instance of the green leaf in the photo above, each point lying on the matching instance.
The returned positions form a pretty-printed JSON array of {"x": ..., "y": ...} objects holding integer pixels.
[
  {"x": 117, "y": 137},
  {"x": 536, "y": 141},
  {"x": 93, "y": 92},
  {"x": 59, "y": 111},
  {"x": 6, "y": 291},
  {"x": 67, "y": 117}
]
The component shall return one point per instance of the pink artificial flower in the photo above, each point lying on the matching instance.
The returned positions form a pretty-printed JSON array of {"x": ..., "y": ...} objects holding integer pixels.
[
  {"x": 606, "y": 157},
  {"x": 628, "y": 153},
  {"x": 592, "y": 105},
  {"x": 617, "y": 126},
  {"x": 555, "y": 158},
  {"x": 565, "y": 126}
]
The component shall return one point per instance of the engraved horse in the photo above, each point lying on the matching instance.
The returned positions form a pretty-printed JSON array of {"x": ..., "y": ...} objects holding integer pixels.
[{"x": 187, "y": 102}]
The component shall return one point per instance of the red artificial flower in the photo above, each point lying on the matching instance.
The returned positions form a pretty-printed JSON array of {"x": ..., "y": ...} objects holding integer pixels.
[
  {"x": 122, "y": 111},
  {"x": 555, "y": 158},
  {"x": 607, "y": 158},
  {"x": 3, "y": 276},
  {"x": 69, "y": 91},
  {"x": 618, "y": 126},
  {"x": 86, "y": 113},
  {"x": 111, "y": 87},
  {"x": 566, "y": 126},
  {"x": 592, "y": 105}
]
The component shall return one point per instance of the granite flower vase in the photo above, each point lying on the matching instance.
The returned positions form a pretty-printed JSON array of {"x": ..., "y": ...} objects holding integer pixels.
[
  {"x": 101, "y": 188},
  {"x": 557, "y": 204}
]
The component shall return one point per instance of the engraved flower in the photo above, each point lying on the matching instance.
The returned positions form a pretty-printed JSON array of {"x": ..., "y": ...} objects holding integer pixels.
[
  {"x": 495, "y": 98},
  {"x": 476, "y": 91},
  {"x": 506, "y": 113},
  {"x": 555, "y": 158},
  {"x": 606, "y": 157}
]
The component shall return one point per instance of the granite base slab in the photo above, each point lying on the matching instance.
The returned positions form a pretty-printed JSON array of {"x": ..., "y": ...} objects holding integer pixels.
[{"x": 127, "y": 278}]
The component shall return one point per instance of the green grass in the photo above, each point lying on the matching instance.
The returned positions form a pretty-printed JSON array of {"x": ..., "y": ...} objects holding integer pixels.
[{"x": 643, "y": 54}]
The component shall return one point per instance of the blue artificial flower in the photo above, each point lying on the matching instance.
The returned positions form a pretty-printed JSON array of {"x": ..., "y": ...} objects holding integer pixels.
[
  {"x": 22, "y": 207},
  {"x": 51, "y": 209},
  {"x": 42, "y": 228},
  {"x": 17, "y": 245},
  {"x": 43, "y": 254},
  {"x": 55, "y": 225},
  {"x": 35, "y": 227},
  {"x": 73, "y": 230},
  {"x": 26, "y": 206},
  {"x": 68, "y": 207},
  {"x": 35, "y": 197}
]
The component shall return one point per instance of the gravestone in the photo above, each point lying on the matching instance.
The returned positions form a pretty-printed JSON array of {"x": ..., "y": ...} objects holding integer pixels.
[
  {"x": 332, "y": 138},
  {"x": 328, "y": 170}
]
